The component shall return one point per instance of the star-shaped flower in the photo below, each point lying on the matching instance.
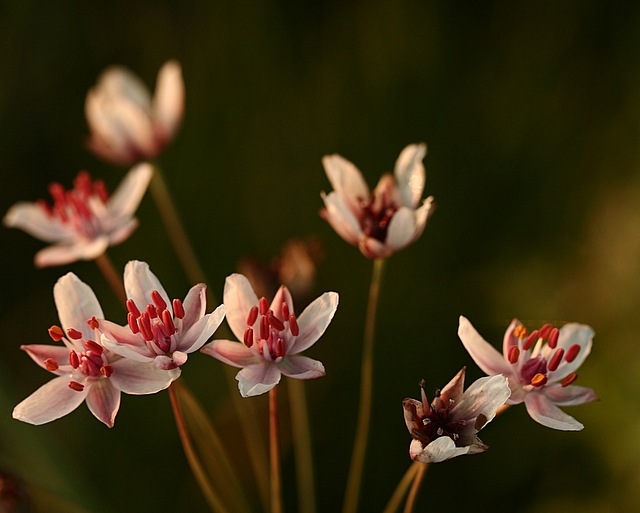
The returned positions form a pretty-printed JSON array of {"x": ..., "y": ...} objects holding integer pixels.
[
  {"x": 85, "y": 369},
  {"x": 387, "y": 220},
  {"x": 272, "y": 336},
  {"x": 83, "y": 221},
  {"x": 540, "y": 366}
]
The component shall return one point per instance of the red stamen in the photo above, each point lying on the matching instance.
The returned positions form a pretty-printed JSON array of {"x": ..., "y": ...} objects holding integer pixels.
[
  {"x": 106, "y": 370},
  {"x": 275, "y": 322},
  {"x": 264, "y": 328},
  {"x": 101, "y": 190},
  {"x": 253, "y": 315},
  {"x": 56, "y": 333},
  {"x": 167, "y": 319},
  {"x": 545, "y": 330},
  {"x": 93, "y": 346},
  {"x": 151, "y": 311},
  {"x": 514, "y": 354},
  {"x": 533, "y": 336},
  {"x": 293, "y": 325},
  {"x": 46, "y": 207},
  {"x": 280, "y": 350},
  {"x": 74, "y": 334},
  {"x": 145, "y": 326},
  {"x": 569, "y": 379},
  {"x": 93, "y": 323},
  {"x": 57, "y": 192},
  {"x": 178, "y": 308},
  {"x": 74, "y": 361},
  {"x": 285, "y": 310},
  {"x": 553, "y": 338},
  {"x": 74, "y": 385},
  {"x": 556, "y": 359},
  {"x": 50, "y": 364},
  {"x": 157, "y": 300},
  {"x": 264, "y": 305},
  {"x": 82, "y": 182},
  {"x": 133, "y": 309},
  {"x": 248, "y": 337},
  {"x": 133, "y": 325},
  {"x": 572, "y": 352},
  {"x": 94, "y": 357},
  {"x": 539, "y": 380}
]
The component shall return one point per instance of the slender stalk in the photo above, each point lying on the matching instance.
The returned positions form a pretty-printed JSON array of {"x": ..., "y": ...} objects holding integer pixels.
[
  {"x": 415, "y": 488},
  {"x": 402, "y": 488},
  {"x": 210, "y": 495},
  {"x": 302, "y": 446},
  {"x": 274, "y": 453},
  {"x": 114, "y": 279},
  {"x": 354, "y": 479}
]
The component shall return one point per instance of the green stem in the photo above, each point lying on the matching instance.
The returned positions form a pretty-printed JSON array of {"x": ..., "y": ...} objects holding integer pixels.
[
  {"x": 415, "y": 488},
  {"x": 114, "y": 279},
  {"x": 302, "y": 446},
  {"x": 354, "y": 479},
  {"x": 402, "y": 488},
  {"x": 196, "y": 467},
  {"x": 274, "y": 453}
]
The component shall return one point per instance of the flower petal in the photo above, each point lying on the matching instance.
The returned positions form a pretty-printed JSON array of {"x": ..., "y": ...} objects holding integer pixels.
[
  {"x": 139, "y": 281},
  {"x": 410, "y": 174},
  {"x": 66, "y": 253},
  {"x": 347, "y": 181},
  {"x": 313, "y": 322},
  {"x": 103, "y": 401},
  {"x": 543, "y": 411},
  {"x": 167, "y": 109},
  {"x": 301, "y": 367},
  {"x": 125, "y": 200},
  {"x": 231, "y": 353},
  {"x": 440, "y": 449},
  {"x": 509, "y": 338},
  {"x": 570, "y": 396},
  {"x": 402, "y": 229},
  {"x": 32, "y": 218},
  {"x": 373, "y": 248},
  {"x": 201, "y": 331},
  {"x": 454, "y": 389},
  {"x": 76, "y": 303},
  {"x": 341, "y": 219},
  {"x": 140, "y": 378},
  {"x": 137, "y": 353},
  {"x": 570, "y": 334},
  {"x": 484, "y": 354},
  {"x": 282, "y": 296},
  {"x": 123, "y": 232},
  {"x": 483, "y": 397},
  {"x": 41, "y": 352},
  {"x": 258, "y": 379},
  {"x": 195, "y": 305},
  {"x": 238, "y": 297},
  {"x": 50, "y": 402}
]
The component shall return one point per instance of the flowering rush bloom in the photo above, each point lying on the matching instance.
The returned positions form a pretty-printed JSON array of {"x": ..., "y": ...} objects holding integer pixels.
[
  {"x": 83, "y": 221},
  {"x": 159, "y": 330},
  {"x": 126, "y": 124},
  {"x": 85, "y": 369},
  {"x": 387, "y": 220},
  {"x": 272, "y": 336},
  {"x": 448, "y": 426},
  {"x": 540, "y": 365}
]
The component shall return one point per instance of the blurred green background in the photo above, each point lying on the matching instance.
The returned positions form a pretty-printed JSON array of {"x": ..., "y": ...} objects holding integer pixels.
[{"x": 531, "y": 111}]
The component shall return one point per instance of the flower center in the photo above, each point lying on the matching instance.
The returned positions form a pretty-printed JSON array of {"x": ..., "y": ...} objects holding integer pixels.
[
  {"x": 272, "y": 330},
  {"x": 379, "y": 210},
  {"x": 436, "y": 421}
]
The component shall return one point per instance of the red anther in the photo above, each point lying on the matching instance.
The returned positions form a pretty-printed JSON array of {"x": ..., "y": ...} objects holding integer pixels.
[
  {"x": 133, "y": 325},
  {"x": 520, "y": 331},
  {"x": 74, "y": 385},
  {"x": 285, "y": 310},
  {"x": 533, "y": 336},
  {"x": 74, "y": 334},
  {"x": 545, "y": 330},
  {"x": 93, "y": 323},
  {"x": 253, "y": 315},
  {"x": 57, "y": 192},
  {"x": 572, "y": 352},
  {"x": 157, "y": 300},
  {"x": 93, "y": 346},
  {"x": 50, "y": 364},
  {"x": 275, "y": 322},
  {"x": 539, "y": 380},
  {"x": 94, "y": 357},
  {"x": 88, "y": 366},
  {"x": 264, "y": 328},
  {"x": 248, "y": 337},
  {"x": 280, "y": 350},
  {"x": 133, "y": 309},
  {"x": 514, "y": 354},
  {"x": 293, "y": 325},
  {"x": 553, "y": 338},
  {"x": 106, "y": 370},
  {"x": 178, "y": 308},
  {"x": 145, "y": 326},
  {"x": 56, "y": 333},
  {"x": 570, "y": 378},
  {"x": 74, "y": 361},
  {"x": 101, "y": 190},
  {"x": 555, "y": 359},
  {"x": 151, "y": 311},
  {"x": 167, "y": 319},
  {"x": 45, "y": 207},
  {"x": 264, "y": 305},
  {"x": 83, "y": 183}
]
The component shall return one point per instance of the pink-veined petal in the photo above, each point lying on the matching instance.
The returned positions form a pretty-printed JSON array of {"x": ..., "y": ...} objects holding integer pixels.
[
  {"x": 313, "y": 322},
  {"x": 76, "y": 303},
  {"x": 50, "y": 402},
  {"x": 125, "y": 200},
  {"x": 168, "y": 102},
  {"x": 137, "y": 353},
  {"x": 440, "y": 449},
  {"x": 258, "y": 379},
  {"x": 282, "y": 296},
  {"x": 570, "y": 396},
  {"x": 66, "y": 253},
  {"x": 201, "y": 331},
  {"x": 341, "y": 219},
  {"x": 509, "y": 338},
  {"x": 238, "y": 297},
  {"x": 41, "y": 352},
  {"x": 543, "y": 411},
  {"x": 484, "y": 396},
  {"x": 347, "y": 181},
  {"x": 103, "y": 401},
  {"x": 484, "y": 354},
  {"x": 31, "y": 218},
  {"x": 231, "y": 353},
  {"x": 139, "y": 281},
  {"x": 137, "y": 378},
  {"x": 195, "y": 305},
  {"x": 112, "y": 332},
  {"x": 570, "y": 334},
  {"x": 301, "y": 367},
  {"x": 410, "y": 174}
]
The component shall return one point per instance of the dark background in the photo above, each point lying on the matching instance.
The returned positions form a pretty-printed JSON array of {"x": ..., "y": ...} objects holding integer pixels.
[{"x": 531, "y": 111}]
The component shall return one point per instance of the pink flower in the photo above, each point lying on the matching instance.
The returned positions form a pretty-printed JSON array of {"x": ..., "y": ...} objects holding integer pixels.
[
  {"x": 159, "y": 330},
  {"x": 387, "y": 220},
  {"x": 83, "y": 221},
  {"x": 85, "y": 370},
  {"x": 272, "y": 336},
  {"x": 126, "y": 125},
  {"x": 448, "y": 426},
  {"x": 540, "y": 374}
]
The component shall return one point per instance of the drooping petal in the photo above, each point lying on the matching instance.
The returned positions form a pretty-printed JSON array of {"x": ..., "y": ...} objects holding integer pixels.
[
  {"x": 50, "y": 402},
  {"x": 41, "y": 352},
  {"x": 543, "y": 411},
  {"x": 201, "y": 331},
  {"x": 410, "y": 174},
  {"x": 440, "y": 449},
  {"x": 127, "y": 197},
  {"x": 76, "y": 303},
  {"x": 140, "y": 378},
  {"x": 301, "y": 367},
  {"x": 347, "y": 181},
  {"x": 570, "y": 334},
  {"x": 103, "y": 401},
  {"x": 484, "y": 354},
  {"x": 509, "y": 338},
  {"x": 413, "y": 413},
  {"x": 570, "y": 396},
  {"x": 313, "y": 322},
  {"x": 239, "y": 297},
  {"x": 232, "y": 353},
  {"x": 483, "y": 397},
  {"x": 66, "y": 253},
  {"x": 31, "y": 218},
  {"x": 341, "y": 219},
  {"x": 167, "y": 108},
  {"x": 139, "y": 281},
  {"x": 402, "y": 229},
  {"x": 195, "y": 305},
  {"x": 258, "y": 379}
]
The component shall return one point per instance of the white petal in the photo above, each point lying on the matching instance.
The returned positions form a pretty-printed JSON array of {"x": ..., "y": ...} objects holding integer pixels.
[
  {"x": 239, "y": 298},
  {"x": 195, "y": 305},
  {"x": 32, "y": 219},
  {"x": 76, "y": 303},
  {"x": 231, "y": 353},
  {"x": 168, "y": 101},
  {"x": 313, "y": 322},
  {"x": 484, "y": 354},
  {"x": 103, "y": 401},
  {"x": 137, "y": 353},
  {"x": 346, "y": 180},
  {"x": 410, "y": 174},
  {"x": 50, "y": 402},
  {"x": 67, "y": 253},
  {"x": 509, "y": 338},
  {"x": 484, "y": 397},
  {"x": 41, "y": 352},
  {"x": 140, "y": 378},
  {"x": 282, "y": 296},
  {"x": 570, "y": 334},
  {"x": 373, "y": 248},
  {"x": 125, "y": 199},
  {"x": 543, "y": 411},
  {"x": 402, "y": 229},
  {"x": 440, "y": 449},
  {"x": 121, "y": 233},
  {"x": 139, "y": 282},
  {"x": 258, "y": 379},
  {"x": 201, "y": 331},
  {"x": 341, "y": 219},
  {"x": 301, "y": 367},
  {"x": 570, "y": 396}
]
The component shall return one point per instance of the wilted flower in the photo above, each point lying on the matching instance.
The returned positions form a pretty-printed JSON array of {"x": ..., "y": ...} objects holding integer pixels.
[
  {"x": 272, "y": 336},
  {"x": 159, "y": 330},
  {"x": 83, "y": 221},
  {"x": 126, "y": 124},
  {"x": 387, "y": 220},
  {"x": 448, "y": 426},
  {"x": 85, "y": 369},
  {"x": 540, "y": 374}
]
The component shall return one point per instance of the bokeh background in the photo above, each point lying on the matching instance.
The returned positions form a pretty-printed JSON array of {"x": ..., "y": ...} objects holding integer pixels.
[{"x": 531, "y": 111}]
